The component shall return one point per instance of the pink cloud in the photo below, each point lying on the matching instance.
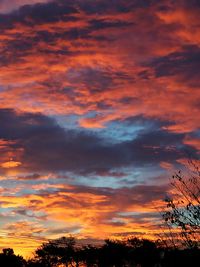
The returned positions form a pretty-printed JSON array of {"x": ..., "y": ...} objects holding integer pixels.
[{"x": 11, "y": 5}]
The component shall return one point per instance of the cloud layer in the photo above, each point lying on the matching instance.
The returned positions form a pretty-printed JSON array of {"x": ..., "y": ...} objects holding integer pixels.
[{"x": 99, "y": 103}]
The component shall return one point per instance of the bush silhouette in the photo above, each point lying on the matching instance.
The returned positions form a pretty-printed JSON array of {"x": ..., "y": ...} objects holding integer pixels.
[{"x": 9, "y": 259}]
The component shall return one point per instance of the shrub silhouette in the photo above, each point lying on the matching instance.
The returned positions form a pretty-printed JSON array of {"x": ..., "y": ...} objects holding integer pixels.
[{"x": 9, "y": 259}]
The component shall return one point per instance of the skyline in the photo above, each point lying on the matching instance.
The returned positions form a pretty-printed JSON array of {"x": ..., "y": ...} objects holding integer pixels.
[{"x": 99, "y": 106}]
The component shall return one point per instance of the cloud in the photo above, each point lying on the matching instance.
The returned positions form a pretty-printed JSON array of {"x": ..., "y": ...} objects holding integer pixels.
[
  {"x": 46, "y": 146},
  {"x": 93, "y": 212},
  {"x": 11, "y": 5},
  {"x": 61, "y": 57},
  {"x": 182, "y": 64},
  {"x": 99, "y": 99}
]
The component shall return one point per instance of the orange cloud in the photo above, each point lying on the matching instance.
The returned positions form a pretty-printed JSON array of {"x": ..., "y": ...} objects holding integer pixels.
[
  {"x": 10, "y": 164},
  {"x": 46, "y": 63},
  {"x": 99, "y": 66},
  {"x": 90, "y": 214}
]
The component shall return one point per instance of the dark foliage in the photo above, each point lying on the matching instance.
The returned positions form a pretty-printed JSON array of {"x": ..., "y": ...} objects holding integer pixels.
[
  {"x": 133, "y": 252},
  {"x": 9, "y": 259}
]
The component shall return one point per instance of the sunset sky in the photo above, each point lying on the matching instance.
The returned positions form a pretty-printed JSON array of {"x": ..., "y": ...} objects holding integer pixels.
[{"x": 99, "y": 105}]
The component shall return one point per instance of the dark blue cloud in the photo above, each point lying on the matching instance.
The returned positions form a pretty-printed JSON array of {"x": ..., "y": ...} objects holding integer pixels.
[
  {"x": 184, "y": 63},
  {"x": 49, "y": 147}
]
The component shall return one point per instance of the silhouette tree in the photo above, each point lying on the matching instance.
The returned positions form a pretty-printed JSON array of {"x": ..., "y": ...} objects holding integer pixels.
[
  {"x": 113, "y": 253},
  {"x": 144, "y": 252},
  {"x": 9, "y": 259},
  {"x": 183, "y": 210},
  {"x": 88, "y": 255},
  {"x": 134, "y": 252},
  {"x": 56, "y": 252}
]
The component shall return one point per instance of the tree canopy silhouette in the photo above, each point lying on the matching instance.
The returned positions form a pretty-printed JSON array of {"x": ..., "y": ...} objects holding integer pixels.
[
  {"x": 9, "y": 259},
  {"x": 183, "y": 210},
  {"x": 133, "y": 252},
  {"x": 56, "y": 252}
]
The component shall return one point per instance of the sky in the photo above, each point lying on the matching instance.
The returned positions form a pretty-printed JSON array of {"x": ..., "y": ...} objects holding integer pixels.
[{"x": 99, "y": 105}]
